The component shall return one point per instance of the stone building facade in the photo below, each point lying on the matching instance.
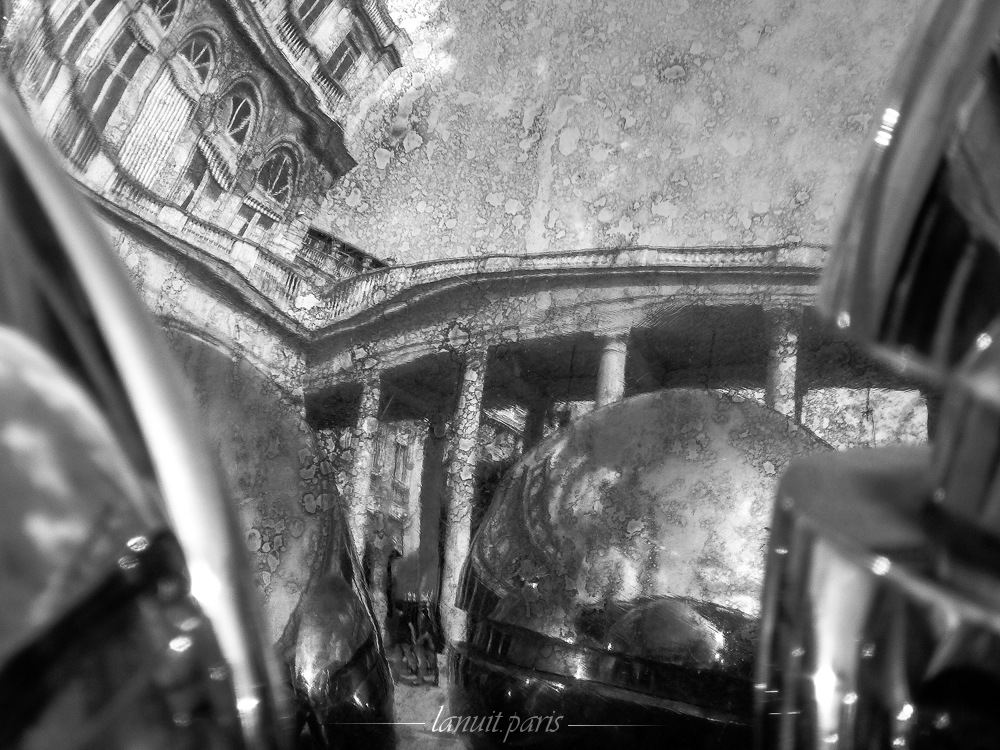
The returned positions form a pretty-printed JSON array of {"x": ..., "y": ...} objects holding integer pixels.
[
  {"x": 206, "y": 135},
  {"x": 260, "y": 164},
  {"x": 221, "y": 124}
]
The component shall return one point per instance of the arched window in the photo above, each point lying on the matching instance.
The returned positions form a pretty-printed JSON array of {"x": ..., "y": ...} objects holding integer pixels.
[
  {"x": 277, "y": 175},
  {"x": 311, "y": 10},
  {"x": 199, "y": 52},
  {"x": 238, "y": 114},
  {"x": 165, "y": 11}
]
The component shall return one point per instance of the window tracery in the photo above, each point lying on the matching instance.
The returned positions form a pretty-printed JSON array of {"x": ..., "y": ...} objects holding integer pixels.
[
  {"x": 165, "y": 11},
  {"x": 199, "y": 52},
  {"x": 240, "y": 115},
  {"x": 276, "y": 176}
]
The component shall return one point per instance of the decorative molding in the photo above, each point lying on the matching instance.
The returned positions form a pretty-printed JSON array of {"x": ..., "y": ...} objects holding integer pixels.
[{"x": 359, "y": 293}]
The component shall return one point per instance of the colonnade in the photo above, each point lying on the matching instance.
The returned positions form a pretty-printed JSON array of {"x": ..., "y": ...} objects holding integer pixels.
[{"x": 782, "y": 331}]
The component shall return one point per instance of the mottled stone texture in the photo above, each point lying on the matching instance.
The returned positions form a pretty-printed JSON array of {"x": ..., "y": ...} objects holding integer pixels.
[
  {"x": 177, "y": 295},
  {"x": 520, "y": 126},
  {"x": 782, "y": 358},
  {"x": 866, "y": 417},
  {"x": 363, "y": 460},
  {"x": 460, "y": 487},
  {"x": 167, "y": 118},
  {"x": 279, "y": 484}
]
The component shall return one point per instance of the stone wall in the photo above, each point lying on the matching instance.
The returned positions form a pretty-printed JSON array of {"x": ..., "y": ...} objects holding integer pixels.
[
  {"x": 167, "y": 133},
  {"x": 866, "y": 417}
]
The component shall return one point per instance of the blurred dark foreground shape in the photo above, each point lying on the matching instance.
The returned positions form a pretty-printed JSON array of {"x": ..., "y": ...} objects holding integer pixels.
[
  {"x": 881, "y": 616},
  {"x": 129, "y": 615}
]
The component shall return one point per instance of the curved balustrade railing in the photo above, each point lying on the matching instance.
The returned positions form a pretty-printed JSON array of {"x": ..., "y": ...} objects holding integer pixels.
[
  {"x": 381, "y": 20},
  {"x": 275, "y": 277},
  {"x": 358, "y": 293},
  {"x": 285, "y": 283}
]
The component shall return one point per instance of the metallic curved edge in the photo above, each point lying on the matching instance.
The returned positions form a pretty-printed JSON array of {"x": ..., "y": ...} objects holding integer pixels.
[
  {"x": 592, "y": 714},
  {"x": 816, "y": 626},
  {"x": 188, "y": 476},
  {"x": 657, "y": 681},
  {"x": 915, "y": 120}
]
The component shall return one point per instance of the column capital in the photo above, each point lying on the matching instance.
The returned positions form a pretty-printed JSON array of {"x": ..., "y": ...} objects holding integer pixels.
[
  {"x": 475, "y": 353},
  {"x": 615, "y": 343}
]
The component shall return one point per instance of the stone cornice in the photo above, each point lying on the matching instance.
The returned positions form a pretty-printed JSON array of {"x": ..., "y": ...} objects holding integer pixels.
[
  {"x": 382, "y": 27},
  {"x": 406, "y": 317},
  {"x": 783, "y": 273},
  {"x": 377, "y": 294}
]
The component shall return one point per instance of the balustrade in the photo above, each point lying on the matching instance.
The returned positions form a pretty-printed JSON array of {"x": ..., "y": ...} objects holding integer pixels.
[
  {"x": 358, "y": 293},
  {"x": 306, "y": 60},
  {"x": 274, "y": 277}
]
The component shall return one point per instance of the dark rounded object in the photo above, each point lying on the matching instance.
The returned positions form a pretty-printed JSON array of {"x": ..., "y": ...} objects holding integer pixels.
[{"x": 616, "y": 577}]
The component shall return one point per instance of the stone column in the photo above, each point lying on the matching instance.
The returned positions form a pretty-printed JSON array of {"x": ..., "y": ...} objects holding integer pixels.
[
  {"x": 411, "y": 531},
  {"x": 363, "y": 461},
  {"x": 380, "y": 570},
  {"x": 780, "y": 391},
  {"x": 611, "y": 373},
  {"x": 459, "y": 489}
]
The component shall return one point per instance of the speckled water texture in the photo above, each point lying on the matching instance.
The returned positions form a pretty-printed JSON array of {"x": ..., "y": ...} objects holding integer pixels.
[{"x": 528, "y": 126}]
